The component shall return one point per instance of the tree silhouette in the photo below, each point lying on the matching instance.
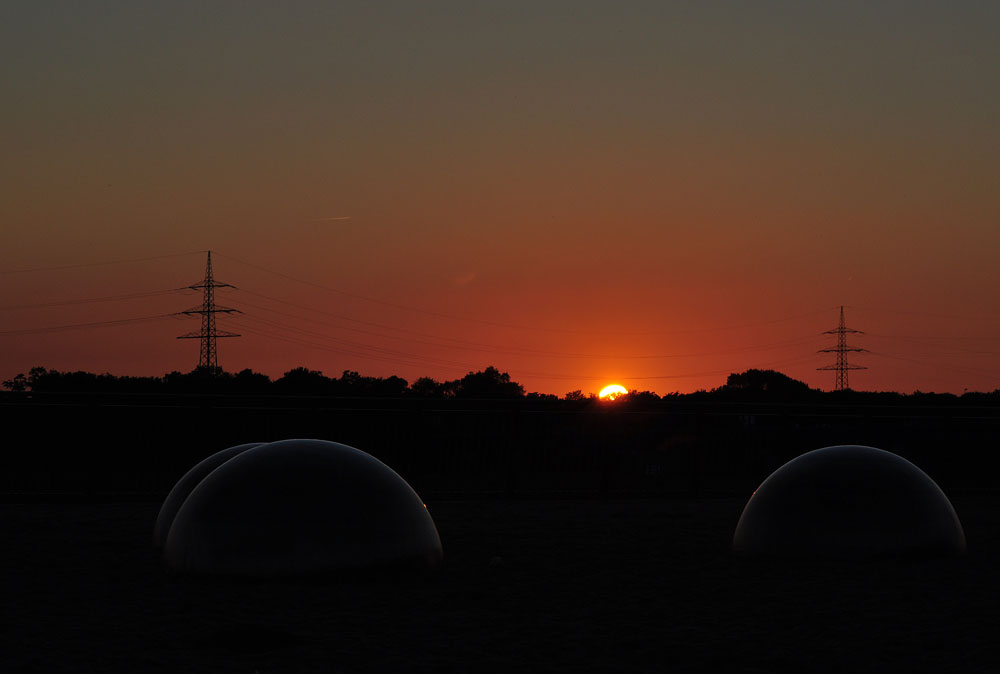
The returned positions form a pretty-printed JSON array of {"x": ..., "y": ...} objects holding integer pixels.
[
  {"x": 425, "y": 387},
  {"x": 488, "y": 383},
  {"x": 248, "y": 381},
  {"x": 303, "y": 381},
  {"x": 641, "y": 396},
  {"x": 763, "y": 383},
  {"x": 548, "y": 397},
  {"x": 19, "y": 383},
  {"x": 749, "y": 386},
  {"x": 353, "y": 384}
]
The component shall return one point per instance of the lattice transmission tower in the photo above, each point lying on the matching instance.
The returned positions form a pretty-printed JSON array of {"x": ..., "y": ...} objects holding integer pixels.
[
  {"x": 209, "y": 355},
  {"x": 842, "y": 349}
]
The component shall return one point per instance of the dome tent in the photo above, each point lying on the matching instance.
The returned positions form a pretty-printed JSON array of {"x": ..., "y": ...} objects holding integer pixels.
[
  {"x": 175, "y": 499},
  {"x": 296, "y": 507},
  {"x": 849, "y": 501}
]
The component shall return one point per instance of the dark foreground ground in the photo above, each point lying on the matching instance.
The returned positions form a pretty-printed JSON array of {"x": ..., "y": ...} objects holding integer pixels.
[{"x": 630, "y": 586}]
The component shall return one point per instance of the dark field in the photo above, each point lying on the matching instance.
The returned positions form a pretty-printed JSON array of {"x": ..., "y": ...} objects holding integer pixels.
[{"x": 620, "y": 585}]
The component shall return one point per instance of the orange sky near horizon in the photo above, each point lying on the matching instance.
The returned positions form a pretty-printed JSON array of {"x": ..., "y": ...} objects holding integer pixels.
[{"x": 576, "y": 193}]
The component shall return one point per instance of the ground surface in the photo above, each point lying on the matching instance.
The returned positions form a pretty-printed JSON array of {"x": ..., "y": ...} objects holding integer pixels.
[{"x": 630, "y": 586}]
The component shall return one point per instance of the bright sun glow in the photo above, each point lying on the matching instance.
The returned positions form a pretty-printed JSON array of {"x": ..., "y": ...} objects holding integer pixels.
[{"x": 612, "y": 392}]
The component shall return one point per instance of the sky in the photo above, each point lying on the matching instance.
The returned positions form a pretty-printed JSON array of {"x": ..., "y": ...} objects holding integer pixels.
[{"x": 654, "y": 194}]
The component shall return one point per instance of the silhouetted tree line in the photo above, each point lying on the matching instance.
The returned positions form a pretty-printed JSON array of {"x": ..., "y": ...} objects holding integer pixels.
[
  {"x": 489, "y": 384},
  {"x": 486, "y": 384}
]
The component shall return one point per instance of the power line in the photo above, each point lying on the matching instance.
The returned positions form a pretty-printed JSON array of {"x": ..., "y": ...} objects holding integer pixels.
[
  {"x": 208, "y": 355},
  {"x": 282, "y": 337},
  {"x": 421, "y": 361},
  {"x": 933, "y": 339},
  {"x": 78, "y": 326},
  {"x": 941, "y": 366},
  {"x": 320, "y": 340},
  {"x": 513, "y": 326},
  {"x": 842, "y": 349},
  {"x": 98, "y": 264},
  {"x": 374, "y": 300},
  {"x": 989, "y": 317},
  {"x": 708, "y": 373},
  {"x": 89, "y": 300},
  {"x": 353, "y": 348},
  {"x": 347, "y": 346},
  {"x": 450, "y": 342}
]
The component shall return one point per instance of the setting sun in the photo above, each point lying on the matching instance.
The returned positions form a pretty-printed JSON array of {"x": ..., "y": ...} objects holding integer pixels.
[{"x": 612, "y": 391}]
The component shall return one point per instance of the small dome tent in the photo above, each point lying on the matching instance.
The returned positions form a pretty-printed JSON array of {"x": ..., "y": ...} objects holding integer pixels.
[{"x": 175, "y": 499}]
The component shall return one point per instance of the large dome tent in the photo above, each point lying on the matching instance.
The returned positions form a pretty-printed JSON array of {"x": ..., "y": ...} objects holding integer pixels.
[
  {"x": 849, "y": 501},
  {"x": 301, "y": 507}
]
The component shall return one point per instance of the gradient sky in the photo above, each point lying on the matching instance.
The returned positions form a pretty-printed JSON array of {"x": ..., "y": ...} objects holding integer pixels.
[{"x": 579, "y": 193}]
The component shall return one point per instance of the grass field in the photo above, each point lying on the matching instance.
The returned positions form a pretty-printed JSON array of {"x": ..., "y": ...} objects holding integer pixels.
[{"x": 593, "y": 586}]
